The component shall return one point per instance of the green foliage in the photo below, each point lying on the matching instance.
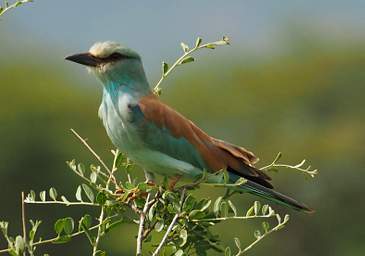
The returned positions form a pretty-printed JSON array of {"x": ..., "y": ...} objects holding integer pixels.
[
  {"x": 185, "y": 220},
  {"x": 187, "y": 58}
]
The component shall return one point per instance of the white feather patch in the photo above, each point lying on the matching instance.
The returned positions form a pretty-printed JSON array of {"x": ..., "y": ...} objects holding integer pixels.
[{"x": 104, "y": 49}]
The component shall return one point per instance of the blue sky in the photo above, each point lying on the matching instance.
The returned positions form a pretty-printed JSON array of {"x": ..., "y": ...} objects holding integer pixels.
[{"x": 155, "y": 28}]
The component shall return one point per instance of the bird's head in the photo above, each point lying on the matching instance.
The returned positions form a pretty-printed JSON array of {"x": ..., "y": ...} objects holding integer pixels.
[{"x": 112, "y": 63}]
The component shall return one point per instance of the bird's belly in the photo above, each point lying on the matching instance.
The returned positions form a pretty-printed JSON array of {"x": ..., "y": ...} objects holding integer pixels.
[
  {"x": 126, "y": 139},
  {"x": 163, "y": 164}
]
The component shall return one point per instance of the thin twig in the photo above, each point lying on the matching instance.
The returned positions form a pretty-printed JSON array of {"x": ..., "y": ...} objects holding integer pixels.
[
  {"x": 234, "y": 218},
  {"x": 23, "y": 220},
  {"x": 62, "y": 202},
  {"x": 279, "y": 226},
  {"x": 299, "y": 167},
  {"x": 83, "y": 141},
  {"x": 172, "y": 224},
  {"x": 102, "y": 212},
  {"x": 12, "y": 6},
  {"x": 142, "y": 219},
  {"x": 51, "y": 240},
  {"x": 186, "y": 54}
]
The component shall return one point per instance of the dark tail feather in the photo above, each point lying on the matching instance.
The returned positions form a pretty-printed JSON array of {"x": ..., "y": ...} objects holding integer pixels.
[{"x": 271, "y": 195}]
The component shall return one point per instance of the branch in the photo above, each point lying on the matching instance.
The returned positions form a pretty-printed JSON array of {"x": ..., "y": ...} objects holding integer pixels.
[
  {"x": 186, "y": 58},
  {"x": 102, "y": 212},
  {"x": 142, "y": 219},
  {"x": 172, "y": 224},
  {"x": 7, "y": 6},
  {"x": 23, "y": 220},
  {"x": 259, "y": 237},
  {"x": 83, "y": 141},
  {"x": 298, "y": 167},
  {"x": 233, "y": 218},
  {"x": 61, "y": 202},
  {"x": 52, "y": 240}
]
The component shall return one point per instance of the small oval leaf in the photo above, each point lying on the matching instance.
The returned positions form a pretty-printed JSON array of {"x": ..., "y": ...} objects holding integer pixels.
[
  {"x": 187, "y": 59},
  {"x": 53, "y": 193},
  {"x": 89, "y": 192}
]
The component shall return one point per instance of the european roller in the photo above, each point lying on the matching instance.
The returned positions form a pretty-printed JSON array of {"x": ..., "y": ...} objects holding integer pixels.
[{"x": 160, "y": 139}]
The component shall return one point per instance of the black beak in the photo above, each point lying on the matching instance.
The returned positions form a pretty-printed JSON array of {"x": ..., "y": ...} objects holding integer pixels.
[{"x": 85, "y": 59}]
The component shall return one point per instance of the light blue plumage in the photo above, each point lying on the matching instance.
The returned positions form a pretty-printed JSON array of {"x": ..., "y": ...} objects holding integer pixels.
[{"x": 158, "y": 138}]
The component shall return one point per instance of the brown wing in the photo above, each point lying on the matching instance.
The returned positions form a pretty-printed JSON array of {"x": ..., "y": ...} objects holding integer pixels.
[{"x": 217, "y": 154}]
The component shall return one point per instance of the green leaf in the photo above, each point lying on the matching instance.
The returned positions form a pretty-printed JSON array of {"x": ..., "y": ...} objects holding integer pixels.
[
  {"x": 196, "y": 214},
  {"x": 187, "y": 59},
  {"x": 78, "y": 193},
  {"x": 151, "y": 212},
  {"x": 184, "y": 236},
  {"x": 198, "y": 42},
  {"x": 159, "y": 225},
  {"x": 19, "y": 244},
  {"x": 34, "y": 229},
  {"x": 257, "y": 234},
  {"x": 128, "y": 185},
  {"x": 179, "y": 253},
  {"x": 4, "y": 227},
  {"x": 93, "y": 177},
  {"x": 250, "y": 211},
  {"x": 100, "y": 253},
  {"x": 216, "y": 206},
  {"x": 231, "y": 205},
  {"x": 184, "y": 46},
  {"x": 265, "y": 209},
  {"x": 210, "y": 46},
  {"x": 278, "y": 217},
  {"x": 64, "y": 199},
  {"x": 81, "y": 168},
  {"x": 58, "y": 226},
  {"x": 69, "y": 225},
  {"x": 53, "y": 193},
  {"x": 142, "y": 186},
  {"x": 165, "y": 68},
  {"x": 237, "y": 242},
  {"x": 121, "y": 158},
  {"x": 188, "y": 204},
  {"x": 72, "y": 164},
  {"x": 286, "y": 218},
  {"x": 226, "y": 39},
  {"x": 265, "y": 226},
  {"x": 101, "y": 198},
  {"x": 225, "y": 177},
  {"x": 89, "y": 192},
  {"x": 224, "y": 209},
  {"x": 18, "y": 3},
  {"x": 227, "y": 251},
  {"x": 256, "y": 207},
  {"x": 85, "y": 221},
  {"x": 32, "y": 195},
  {"x": 42, "y": 195},
  {"x": 206, "y": 205}
]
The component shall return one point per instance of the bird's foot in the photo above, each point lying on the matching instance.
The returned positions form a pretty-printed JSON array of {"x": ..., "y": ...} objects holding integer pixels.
[
  {"x": 151, "y": 183},
  {"x": 172, "y": 182}
]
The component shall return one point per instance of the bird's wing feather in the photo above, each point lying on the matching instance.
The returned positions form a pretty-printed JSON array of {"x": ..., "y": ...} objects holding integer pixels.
[{"x": 180, "y": 138}]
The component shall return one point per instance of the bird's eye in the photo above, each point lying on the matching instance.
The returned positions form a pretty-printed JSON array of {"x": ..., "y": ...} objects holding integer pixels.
[{"x": 115, "y": 56}]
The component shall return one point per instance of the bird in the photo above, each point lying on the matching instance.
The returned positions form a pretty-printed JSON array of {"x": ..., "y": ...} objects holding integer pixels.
[{"x": 160, "y": 139}]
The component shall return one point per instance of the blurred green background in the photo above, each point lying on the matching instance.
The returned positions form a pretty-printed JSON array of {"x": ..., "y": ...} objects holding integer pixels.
[{"x": 292, "y": 81}]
